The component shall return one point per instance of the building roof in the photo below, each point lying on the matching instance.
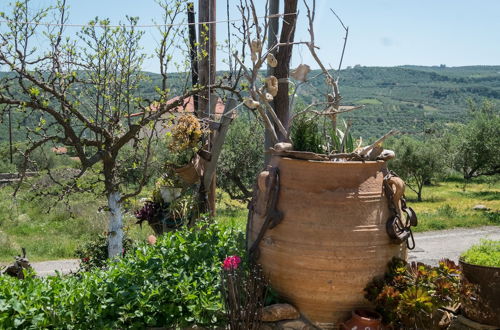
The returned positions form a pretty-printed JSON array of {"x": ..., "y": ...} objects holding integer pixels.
[
  {"x": 188, "y": 106},
  {"x": 60, "y": 150}
]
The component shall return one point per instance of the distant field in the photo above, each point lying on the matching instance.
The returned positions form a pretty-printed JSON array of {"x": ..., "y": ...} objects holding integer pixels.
[
  {"x": 54, "y": 235},
  {"x": 368, "y": 101}
]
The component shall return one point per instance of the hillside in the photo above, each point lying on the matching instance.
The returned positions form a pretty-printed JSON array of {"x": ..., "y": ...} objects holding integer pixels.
[{"x": 408, "y": 98}]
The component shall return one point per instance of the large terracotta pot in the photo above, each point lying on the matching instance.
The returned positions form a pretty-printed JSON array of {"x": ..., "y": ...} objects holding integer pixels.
[{"x": 332, "y": 238}]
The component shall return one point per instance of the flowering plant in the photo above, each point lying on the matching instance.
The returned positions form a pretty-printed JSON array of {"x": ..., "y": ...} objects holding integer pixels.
[
  {"x": 231, "y": 262},
  {"x": 244, "y": 291}
]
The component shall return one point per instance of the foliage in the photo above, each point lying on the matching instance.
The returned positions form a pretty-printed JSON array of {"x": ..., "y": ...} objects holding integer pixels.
[
  {"x": 417, "y": 162},
  {"x": 162, "y": 215},
  {"x": 487, "y": 253},
  {"x": 186, "y": 133},
  {"x": 306, "y": 136},
  {"x": 242, "y": 157},
  {"x": 244, "y": 291},
  {"x": 474, "y": 146},
  {"x": 174, "y": 283},
  {"x": 83, "y": 91},
  {"x": 410, "y": 294},
  {"x": 94, "y": 253},
  {"x": 185, "y": 139},
  {"x": 342, "y": 141}
]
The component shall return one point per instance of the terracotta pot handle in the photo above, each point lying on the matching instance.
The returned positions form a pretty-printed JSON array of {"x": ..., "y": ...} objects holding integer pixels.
[
  {"x": 262, "y": 181},
  {"x": 398, "y": 188}
]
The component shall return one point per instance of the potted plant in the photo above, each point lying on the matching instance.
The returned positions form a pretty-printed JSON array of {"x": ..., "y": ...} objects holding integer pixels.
[
  {"x": 184, "y": 143},
  {"x": 414, "y": 296},
  {"x": 481, "y": 277},
  {"x": 169, "y": 208}
]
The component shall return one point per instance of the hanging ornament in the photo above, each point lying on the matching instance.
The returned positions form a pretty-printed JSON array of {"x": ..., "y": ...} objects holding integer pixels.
[
  {"x": 256, "y": 48},
  {"x": 272, "y": 85},
  {"x": 301, "y": 72},
  {"x": 271, "y": 60},
  {"x": 252, "y": 104}
]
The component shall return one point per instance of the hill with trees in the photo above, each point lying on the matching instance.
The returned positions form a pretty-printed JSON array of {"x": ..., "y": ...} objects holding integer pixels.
[{"x": 408, "y": 98}]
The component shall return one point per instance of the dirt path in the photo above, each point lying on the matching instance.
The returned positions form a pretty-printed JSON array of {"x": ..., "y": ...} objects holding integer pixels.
[{"x": 431, "y": 246}]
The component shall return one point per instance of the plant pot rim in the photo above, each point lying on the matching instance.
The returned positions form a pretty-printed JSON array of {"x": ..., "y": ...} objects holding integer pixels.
[
  {"x": 348, "y": 162},
  {"x": 357, "y": 313},
  {"x": 461, "y": 261}
]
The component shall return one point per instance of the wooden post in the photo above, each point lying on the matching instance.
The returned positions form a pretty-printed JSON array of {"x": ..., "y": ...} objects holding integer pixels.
[
  {"x": 226, "y": 119},
  {"x": 193, "y": 50},
  {"x": 207, "y": 41},
  {"x": 10, "y": 136},
  {"x": 272, "y": 33},
  {"x": 206, "y": 70}
]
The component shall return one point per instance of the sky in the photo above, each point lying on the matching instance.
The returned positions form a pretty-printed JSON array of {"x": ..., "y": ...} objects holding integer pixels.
[{"x": 381, "y": 32}]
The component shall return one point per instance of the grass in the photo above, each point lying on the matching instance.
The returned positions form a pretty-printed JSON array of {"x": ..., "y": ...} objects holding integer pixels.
[
  {"x": 54, "y": 234},
  {"x": 447, "y": 205}
]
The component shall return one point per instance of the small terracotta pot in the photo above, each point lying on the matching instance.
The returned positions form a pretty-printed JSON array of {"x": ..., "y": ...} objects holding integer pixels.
[{"x": 363, "y": 319}]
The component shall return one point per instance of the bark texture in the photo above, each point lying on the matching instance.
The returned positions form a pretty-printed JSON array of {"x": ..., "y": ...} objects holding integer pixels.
[{"x": 284, "y": 54}]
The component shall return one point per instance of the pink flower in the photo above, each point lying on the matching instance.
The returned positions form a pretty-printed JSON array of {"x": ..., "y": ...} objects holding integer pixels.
[
  {"x": 85, "y": 259},
  {"x": 231, "y": 262}
]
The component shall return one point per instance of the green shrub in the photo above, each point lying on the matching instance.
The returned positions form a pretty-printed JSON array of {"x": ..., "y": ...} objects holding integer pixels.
[
  {"x": 242, "y": 157},
  {"x": 486, "y": 253},
  {"x": 174, "y": 283},
  {"x": 94, "y": 253}
]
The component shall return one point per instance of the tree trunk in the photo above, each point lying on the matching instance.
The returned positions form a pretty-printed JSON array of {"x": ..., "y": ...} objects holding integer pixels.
[
  {"x": 419, "y": 193},
  {"x": 284, "y": 54},
  {"x": 115, "y": 235}
]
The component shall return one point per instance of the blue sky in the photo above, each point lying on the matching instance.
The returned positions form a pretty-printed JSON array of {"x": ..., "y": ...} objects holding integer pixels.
[{"x": 382, "y": 32}]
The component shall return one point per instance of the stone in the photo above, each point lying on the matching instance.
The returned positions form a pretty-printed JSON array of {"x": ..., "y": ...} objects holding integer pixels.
[
  {"x": 295, "y": 325},
  {"x": 283, "y": 146},
  {"x": 480, "y": 207},
  {"x": 279, "y": 312},
  {"x": 268, "y": 326}
]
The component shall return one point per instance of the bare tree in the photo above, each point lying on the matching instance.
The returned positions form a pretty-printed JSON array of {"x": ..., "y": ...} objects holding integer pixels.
[{"x": 277, "y": 120}]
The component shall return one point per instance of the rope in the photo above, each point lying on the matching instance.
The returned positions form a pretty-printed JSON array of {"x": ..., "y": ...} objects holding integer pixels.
[{"x": 135, "y": 26}]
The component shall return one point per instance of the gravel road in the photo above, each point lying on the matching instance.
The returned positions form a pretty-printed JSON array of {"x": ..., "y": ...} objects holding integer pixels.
[{"x": 431, "y": 246}]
